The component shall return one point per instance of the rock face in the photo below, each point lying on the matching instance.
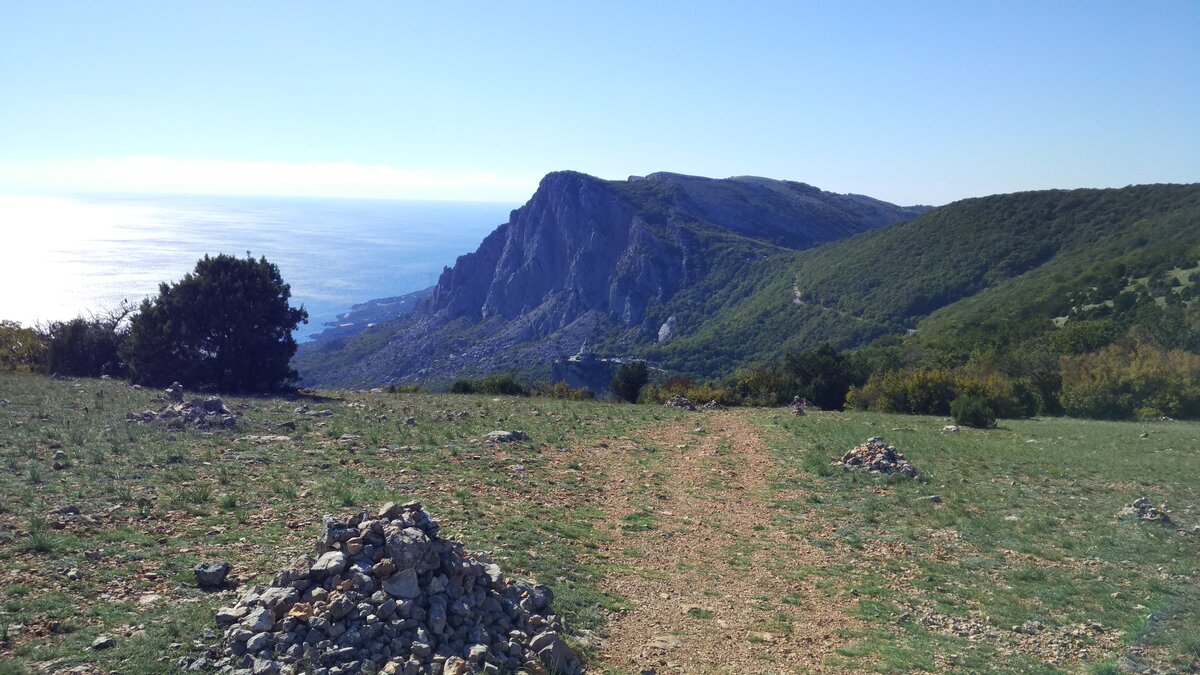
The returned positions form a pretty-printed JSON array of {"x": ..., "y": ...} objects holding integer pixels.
[
  {"x": 392, "y": 597},
  {"x": 587, "y": 256}
]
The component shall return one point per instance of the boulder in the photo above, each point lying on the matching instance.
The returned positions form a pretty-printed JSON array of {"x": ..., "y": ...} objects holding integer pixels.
[{"x": 212, "y": 575}]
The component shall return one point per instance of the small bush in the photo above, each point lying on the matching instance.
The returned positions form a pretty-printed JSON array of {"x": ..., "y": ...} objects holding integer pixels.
[
  {"x": 21, "y": 349},
  {"x": 496, "y": 384},
  {"x": 972, "y": 411},
  {"x": 561, "y": 390}
]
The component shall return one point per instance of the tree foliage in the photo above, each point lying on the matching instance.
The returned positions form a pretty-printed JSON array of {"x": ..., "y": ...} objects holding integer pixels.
[
  {"x": 87, "y": 347},
  {"x": 1128, "y": 379},
  {"x": 22, "y": 350},
  {"x": 627, "y": 384},
  {"x": 225, "y": 325}
]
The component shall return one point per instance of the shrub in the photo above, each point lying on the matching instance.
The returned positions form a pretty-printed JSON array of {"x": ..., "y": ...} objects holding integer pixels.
[
  {"x": 1122, "y": 379},
  {"x": 758, "y": 386},
  {"x": 561, "y": 390},
  {"x": 496, "y": 384},
  {"x": 21, "y": 349},
  {"x": 924, "y": 391},
  {"x": 972, "y": 411},
  {"x": 227, "y": 325},
  {"x": 921, "y": 391},
  {"x": 87, "y": 347},
  {"x": 629, "y": 380}
]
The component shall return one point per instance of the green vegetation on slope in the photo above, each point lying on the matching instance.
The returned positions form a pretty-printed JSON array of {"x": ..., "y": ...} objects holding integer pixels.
[{"x": 972, "y": 273}]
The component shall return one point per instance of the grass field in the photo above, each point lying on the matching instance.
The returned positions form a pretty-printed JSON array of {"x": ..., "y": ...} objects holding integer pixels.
[{"x": 1022, "y": 566}]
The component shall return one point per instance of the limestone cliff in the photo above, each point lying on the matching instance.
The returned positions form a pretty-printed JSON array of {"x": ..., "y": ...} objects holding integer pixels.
[{"x": 591, "y": 259}]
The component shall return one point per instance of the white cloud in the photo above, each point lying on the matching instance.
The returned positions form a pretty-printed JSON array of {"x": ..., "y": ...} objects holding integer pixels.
[{"x": 312, "y": 179}]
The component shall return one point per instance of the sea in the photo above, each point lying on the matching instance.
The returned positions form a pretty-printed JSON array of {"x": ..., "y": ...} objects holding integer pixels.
[{"x": 78, "y": 255}]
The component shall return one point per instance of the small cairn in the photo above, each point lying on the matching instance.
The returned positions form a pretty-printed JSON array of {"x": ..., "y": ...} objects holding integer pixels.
[
  {"x": 203, "y": 413},
  {"x": 876, "y": 456},
  {"x": 712, "y": 405},
  {"x": 386, "y": 595},
  {"x": 1142, "y": 509},
  {"x": 800, "y": 405},
  {"x": 797, "y": 406},
  {"x": 679, "y": 401}
]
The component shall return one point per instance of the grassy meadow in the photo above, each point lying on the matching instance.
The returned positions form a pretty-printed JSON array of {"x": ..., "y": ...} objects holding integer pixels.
[{"x": 1024, "y": 537}]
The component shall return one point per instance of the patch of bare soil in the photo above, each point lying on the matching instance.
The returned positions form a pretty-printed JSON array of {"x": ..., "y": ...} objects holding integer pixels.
[{"x": 711, "y": 582}]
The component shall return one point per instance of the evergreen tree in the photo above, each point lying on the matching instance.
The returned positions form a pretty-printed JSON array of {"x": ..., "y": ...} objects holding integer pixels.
[
  {"x": 226, "y": 325},
  {"x": 629, "y": 380}
]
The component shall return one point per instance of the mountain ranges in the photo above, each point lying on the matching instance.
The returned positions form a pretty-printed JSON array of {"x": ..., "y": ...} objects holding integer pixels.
[{"x": 700, "y": 276}]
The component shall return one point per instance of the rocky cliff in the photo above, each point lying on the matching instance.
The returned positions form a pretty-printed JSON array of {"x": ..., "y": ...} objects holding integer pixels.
[{"x": 612, "y": 262}]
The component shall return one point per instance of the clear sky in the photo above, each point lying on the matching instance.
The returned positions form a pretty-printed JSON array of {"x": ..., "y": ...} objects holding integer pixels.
[{"x": 917, "y": 102}]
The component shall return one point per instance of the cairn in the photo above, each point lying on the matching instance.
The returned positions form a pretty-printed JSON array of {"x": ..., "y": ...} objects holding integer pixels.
[
  {"x": 679, "y": 401},
  {"x": 800, "y": 405},
  {"x": 203, "y": 413},
  {"x": 1142, "y": 509},
  {"x": 876, "y": 456},
  {"x": 386, "y": 595},
  {"x": 712, "y": 405}
]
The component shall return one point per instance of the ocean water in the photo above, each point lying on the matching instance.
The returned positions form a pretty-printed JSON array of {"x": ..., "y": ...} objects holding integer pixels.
[{"x": 62, "y": 257}]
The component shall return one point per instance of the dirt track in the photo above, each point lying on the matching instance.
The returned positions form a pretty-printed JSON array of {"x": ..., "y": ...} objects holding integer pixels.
[{"x": 714, "y": 587}]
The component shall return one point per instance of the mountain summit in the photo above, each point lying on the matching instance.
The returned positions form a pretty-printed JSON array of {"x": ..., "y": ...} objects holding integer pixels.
[{"x": 616, "y": 263}]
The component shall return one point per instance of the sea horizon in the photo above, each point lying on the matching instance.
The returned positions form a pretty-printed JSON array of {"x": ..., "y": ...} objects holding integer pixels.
[{"x": 73, "y": 253}]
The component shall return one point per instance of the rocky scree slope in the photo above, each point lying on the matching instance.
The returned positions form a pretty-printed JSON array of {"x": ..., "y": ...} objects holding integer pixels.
[{"x": 601, "y": 261}]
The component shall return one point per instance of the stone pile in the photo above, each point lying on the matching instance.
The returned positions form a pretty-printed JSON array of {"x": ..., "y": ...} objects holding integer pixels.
[
  {"x": 678, "y": 401},
  {"x": 386, "y": 595},
  {"x": 203, "y": 413},
  {"x": 800, "y": 404},
  {"x": 303, "y": 410},
  {"x": 501, "y": 436},
  {"x": 876, "y": 456},
  {"x": 712, "y": 405},
  {"x": 1142, "y": 509}
]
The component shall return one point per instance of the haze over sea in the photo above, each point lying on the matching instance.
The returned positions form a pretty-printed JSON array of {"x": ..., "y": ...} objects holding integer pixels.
[{"x": 69, "y": 256}]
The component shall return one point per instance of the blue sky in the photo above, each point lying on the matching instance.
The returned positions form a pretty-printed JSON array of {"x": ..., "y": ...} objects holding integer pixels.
[{"x": 922, "y": 102}]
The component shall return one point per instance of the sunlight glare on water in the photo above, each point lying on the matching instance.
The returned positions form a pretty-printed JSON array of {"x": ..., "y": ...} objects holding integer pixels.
[{"x": 70, "y": 256}]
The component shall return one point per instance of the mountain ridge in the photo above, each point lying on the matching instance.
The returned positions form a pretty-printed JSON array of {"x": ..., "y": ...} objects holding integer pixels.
[{"x": 587, "y": 258}]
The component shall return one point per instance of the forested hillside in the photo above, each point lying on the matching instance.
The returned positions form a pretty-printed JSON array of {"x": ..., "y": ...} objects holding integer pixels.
[{"x": 998, "y": 269}]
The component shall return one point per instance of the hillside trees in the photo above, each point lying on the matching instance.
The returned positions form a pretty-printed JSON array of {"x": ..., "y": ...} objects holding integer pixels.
[
  {"x": 227, "y": 325},
  {"x": 1132, "y": 378}
]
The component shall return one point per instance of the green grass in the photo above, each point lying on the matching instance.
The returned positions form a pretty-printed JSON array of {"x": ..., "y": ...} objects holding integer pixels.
[
  {"x": 152, "y": 492},
  {"x": 1026, "y": 531}
]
